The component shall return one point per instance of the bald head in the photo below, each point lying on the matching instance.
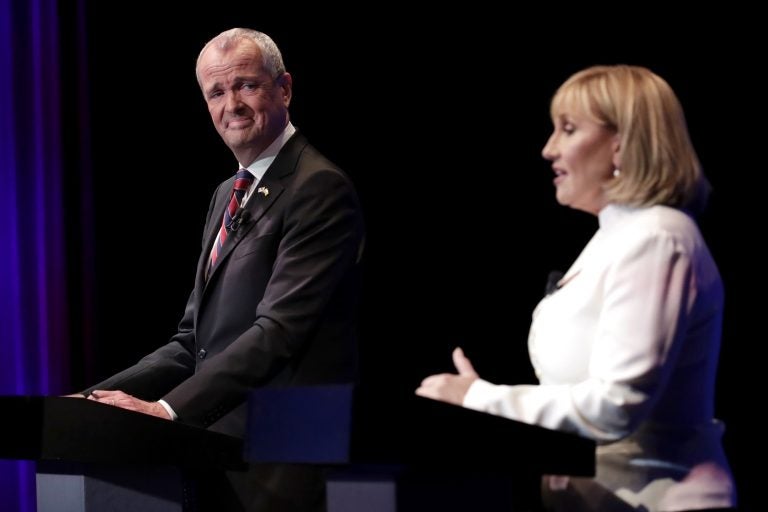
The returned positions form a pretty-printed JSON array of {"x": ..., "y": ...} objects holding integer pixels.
[{"x": 233, "y": 38}]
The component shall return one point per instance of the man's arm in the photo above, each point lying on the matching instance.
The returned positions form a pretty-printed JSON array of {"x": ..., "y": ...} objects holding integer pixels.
[{"x": 166, "y": 367}]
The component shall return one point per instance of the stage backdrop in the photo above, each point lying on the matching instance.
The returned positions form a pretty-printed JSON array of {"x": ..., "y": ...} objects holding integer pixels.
[{"x": 439, "y": 121}]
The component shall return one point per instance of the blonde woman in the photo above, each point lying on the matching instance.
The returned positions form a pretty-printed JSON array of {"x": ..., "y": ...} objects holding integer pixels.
[{"x": 626, "y": 346}]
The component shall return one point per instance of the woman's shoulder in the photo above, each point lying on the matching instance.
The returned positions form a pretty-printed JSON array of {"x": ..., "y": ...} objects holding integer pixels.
[
  {"x": 647, "y": 219},
  {"x": 629, "y": 226}
]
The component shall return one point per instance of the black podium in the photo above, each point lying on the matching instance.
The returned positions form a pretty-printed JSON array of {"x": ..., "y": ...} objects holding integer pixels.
[
  {"x": 92, "y": 456},
  {"x": 403, "y": 454}
]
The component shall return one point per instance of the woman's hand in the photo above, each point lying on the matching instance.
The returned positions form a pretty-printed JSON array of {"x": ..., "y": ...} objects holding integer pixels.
[{"x": 449, "y": 387}]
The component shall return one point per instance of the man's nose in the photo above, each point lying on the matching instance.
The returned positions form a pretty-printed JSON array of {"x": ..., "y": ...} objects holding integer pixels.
[{"x": 233, "y": 101}]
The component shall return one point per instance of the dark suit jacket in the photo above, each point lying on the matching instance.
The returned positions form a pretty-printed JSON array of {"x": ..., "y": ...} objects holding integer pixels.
[{"x": 279, "y": 307}]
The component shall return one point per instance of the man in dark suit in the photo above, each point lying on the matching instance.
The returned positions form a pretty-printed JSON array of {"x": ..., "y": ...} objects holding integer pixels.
[{"x": 274, "y": 302}]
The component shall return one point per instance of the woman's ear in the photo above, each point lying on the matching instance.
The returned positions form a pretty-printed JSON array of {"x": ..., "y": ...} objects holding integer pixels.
[{"x": 616, "y": 147}]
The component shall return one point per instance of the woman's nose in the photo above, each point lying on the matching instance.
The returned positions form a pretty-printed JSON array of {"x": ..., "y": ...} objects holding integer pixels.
[{"x": 548, "y": 151}]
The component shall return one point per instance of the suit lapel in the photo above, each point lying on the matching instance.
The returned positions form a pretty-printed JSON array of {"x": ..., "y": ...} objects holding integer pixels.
[
  {"x": 222, "y": 201},
  {"x": 256, "y": 206},
  {"x": 213, "y": 225},
  {"x": 266, "y": 193}
]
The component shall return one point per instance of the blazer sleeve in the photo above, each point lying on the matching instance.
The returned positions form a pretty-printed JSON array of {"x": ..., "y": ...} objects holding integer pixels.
[{"x": 162, "y": 370}]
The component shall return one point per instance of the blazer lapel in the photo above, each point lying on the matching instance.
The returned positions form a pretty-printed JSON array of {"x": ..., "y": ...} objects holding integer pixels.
[
  {"x": 256, "y": 206},
  {"x": 224, "y": 195},
  {"x": 267, "y": 191},
  {"x": 214, "y": 224}
]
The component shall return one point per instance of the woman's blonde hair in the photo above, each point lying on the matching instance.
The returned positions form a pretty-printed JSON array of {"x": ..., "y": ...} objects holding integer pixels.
[{"x": 658, "y": 162}]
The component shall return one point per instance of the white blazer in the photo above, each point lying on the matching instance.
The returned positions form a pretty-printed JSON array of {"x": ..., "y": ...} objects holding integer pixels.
[{"x": 626, "y": 353}]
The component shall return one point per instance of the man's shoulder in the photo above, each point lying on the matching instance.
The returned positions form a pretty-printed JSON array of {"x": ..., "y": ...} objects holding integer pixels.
[{"x": 310, "y": 160}]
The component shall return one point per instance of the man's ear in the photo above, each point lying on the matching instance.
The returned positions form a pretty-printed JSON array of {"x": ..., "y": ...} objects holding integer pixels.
[{"x": 285, "y": 82}]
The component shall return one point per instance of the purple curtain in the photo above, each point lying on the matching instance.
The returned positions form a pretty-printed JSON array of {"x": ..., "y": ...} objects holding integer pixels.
[{"x": 34, "y": 289}]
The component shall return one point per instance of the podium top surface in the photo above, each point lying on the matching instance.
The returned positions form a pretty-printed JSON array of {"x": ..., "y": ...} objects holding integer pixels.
[
  {"x": 342, "y": 424},
  {"x": 79, "y": 430}
]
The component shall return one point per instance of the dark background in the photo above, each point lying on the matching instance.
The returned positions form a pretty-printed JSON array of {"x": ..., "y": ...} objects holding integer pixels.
[{"x": 439, "y": 119}]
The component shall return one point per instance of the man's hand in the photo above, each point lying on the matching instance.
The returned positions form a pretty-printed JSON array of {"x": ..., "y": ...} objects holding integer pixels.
[{"x": 126, "y": 401}]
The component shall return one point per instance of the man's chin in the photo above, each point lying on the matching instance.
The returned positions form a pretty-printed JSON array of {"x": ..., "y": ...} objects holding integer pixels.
[{"x": 238, "y": 138}]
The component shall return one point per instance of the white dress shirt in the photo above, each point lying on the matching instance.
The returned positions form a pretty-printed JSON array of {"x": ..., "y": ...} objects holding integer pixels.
[
  {"x": 626, "y": 353},
  {"x": 259, "y": 166}
]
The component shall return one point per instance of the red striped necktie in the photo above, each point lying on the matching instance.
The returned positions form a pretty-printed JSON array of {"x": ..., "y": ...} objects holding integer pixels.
[{"x": 243, "y": 180}]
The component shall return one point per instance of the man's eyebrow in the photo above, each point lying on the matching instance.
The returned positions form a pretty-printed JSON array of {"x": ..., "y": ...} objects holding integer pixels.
[
  {"x": 213, "y": 87},
  {"x": 237, "y": 80},
  {"x": 248, "y": 78}
]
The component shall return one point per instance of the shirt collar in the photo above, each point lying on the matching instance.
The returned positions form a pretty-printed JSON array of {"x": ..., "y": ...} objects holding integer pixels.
[
  {"x": 612, "y": 214},
  {"x": 259, "y": 166}
]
